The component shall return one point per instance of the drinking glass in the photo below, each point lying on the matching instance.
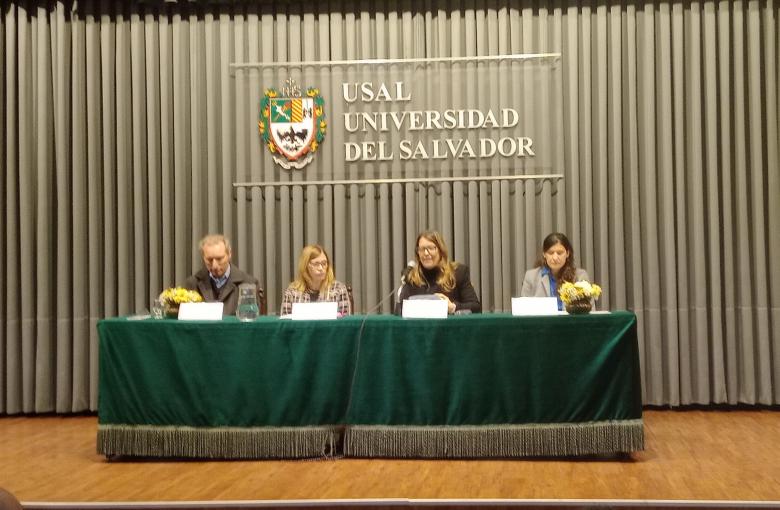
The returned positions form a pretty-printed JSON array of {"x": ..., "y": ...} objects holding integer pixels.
[{"x": 158, "y": 309}]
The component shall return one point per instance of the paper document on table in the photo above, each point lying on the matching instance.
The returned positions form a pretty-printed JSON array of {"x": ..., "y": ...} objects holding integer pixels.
[
  {"x": 201, "y": 311},
  {"x": 316, "y": 311},
  {"x": 534, "y": 306},
  {"x": 424, "y": 309}
]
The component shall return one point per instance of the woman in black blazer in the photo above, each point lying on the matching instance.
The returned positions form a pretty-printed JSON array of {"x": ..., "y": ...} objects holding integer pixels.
[{"x": 435, "y": 274}]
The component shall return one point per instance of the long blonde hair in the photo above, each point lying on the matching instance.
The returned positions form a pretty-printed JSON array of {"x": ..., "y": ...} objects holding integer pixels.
[
  {"x": 446, "y": 279},
  {"x": 303, "y": 280}
]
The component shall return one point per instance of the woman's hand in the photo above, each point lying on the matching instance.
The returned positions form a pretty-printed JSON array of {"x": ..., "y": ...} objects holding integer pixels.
[{"x": 450, "y": 304}]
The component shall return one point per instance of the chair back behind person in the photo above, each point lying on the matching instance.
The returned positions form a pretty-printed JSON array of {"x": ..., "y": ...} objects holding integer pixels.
[{"x": 351, "y": 298}]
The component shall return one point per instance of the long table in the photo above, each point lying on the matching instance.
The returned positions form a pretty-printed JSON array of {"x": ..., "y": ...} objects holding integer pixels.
[{"x": 485, "y": 385}]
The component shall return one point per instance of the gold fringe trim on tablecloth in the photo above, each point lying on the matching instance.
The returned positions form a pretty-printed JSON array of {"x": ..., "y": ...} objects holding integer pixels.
[
  {"x": 217, "y": 442},
  {"x": 501, "y": 441}
]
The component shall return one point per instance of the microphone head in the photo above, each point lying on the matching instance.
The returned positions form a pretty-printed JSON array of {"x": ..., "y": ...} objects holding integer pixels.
[{"x": 408, "y": 269}]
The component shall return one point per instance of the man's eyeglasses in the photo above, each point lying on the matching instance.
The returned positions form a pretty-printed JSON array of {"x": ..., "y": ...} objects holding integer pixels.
[{"x": 427, "y": 249}]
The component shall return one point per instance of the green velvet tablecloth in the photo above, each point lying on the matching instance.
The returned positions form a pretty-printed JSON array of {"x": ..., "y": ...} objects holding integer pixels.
[{"x": 467, "y": 386}]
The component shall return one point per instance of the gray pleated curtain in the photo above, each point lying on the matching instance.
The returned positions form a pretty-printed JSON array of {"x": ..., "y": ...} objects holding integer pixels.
[{"x": 121, "y": 141}]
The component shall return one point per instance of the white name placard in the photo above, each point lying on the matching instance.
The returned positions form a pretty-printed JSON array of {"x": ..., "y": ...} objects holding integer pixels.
[
  {"x": 201, "y": 311},
  {"x": 534, "y": 306},
  {"x": 424, "y": 309},
  {"x": 317, "y": 311}
]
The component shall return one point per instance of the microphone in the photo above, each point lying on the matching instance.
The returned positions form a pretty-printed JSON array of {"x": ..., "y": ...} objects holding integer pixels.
[
  {"x": 408, "y": 269},
  {"x": 404, "y": 275}
]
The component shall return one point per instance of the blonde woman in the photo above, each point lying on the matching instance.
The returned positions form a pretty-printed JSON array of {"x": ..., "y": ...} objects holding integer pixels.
[
  {"x": 436, "y": 274},
  {"x": 315, "y": 282}
]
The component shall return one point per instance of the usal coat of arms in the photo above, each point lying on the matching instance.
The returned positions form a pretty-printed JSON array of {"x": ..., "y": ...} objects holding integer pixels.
[{"x": 292, "y": 125}]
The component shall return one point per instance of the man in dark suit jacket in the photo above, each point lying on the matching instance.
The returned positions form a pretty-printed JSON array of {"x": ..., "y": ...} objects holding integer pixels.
[{"x": 219, "y": 279}]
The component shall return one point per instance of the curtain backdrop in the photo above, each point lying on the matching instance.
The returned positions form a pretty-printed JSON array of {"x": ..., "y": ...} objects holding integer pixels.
[{"x": 121, "y": 138}]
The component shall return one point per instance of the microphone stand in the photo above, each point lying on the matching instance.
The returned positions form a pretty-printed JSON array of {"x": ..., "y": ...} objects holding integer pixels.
[{"x": 376, "y": 307}]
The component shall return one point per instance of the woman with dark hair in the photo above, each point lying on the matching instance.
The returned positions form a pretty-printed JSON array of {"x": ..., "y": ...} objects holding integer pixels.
[
  {"x": 555, "y": 266},
  {"x": 435, "y": 274},
  {"x": 315, "y": 281}
]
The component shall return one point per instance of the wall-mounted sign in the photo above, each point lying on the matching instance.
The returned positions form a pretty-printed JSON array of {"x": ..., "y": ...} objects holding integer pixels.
[{"x": 420, "y": 118}]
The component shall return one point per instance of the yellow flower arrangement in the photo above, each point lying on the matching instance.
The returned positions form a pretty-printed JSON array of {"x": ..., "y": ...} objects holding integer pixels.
[
  {"x": 175, "y": 296},
  {"x": 578, "y": 291}
]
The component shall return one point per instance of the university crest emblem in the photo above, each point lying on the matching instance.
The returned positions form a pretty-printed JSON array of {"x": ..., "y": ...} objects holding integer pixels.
[{"x": 292, "y": 125}]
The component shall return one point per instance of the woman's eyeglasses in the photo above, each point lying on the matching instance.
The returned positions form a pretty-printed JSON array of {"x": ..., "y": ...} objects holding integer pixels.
[
  {"x": 318, "y": 264},
  {"x": 427, "y": 249}
]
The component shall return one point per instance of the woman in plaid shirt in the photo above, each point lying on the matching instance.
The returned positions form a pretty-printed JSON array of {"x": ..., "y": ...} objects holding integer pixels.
[{"x": 315, "y": 282}]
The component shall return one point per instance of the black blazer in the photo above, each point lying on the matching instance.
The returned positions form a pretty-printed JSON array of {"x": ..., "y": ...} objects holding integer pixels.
[{"x": 463, "y": 294}]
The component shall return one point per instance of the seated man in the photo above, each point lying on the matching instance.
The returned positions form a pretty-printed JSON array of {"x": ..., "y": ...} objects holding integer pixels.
[{"x": 219, "y": 279}]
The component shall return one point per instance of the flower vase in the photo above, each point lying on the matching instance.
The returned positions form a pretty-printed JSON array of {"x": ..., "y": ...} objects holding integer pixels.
[
  {"x": 172, "y": 311},
  {"x": 579, "y": 306}
]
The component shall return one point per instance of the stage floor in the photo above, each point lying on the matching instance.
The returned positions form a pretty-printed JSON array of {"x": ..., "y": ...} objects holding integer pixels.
[{"x": 691, "y": 455}]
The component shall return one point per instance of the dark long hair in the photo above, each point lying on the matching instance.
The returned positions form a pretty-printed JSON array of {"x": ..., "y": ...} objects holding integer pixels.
[{"x": 569, "y": 270}]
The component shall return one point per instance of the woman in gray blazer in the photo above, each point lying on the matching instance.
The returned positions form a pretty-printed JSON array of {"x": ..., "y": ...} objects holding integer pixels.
[{"x": 554, "y": 267}]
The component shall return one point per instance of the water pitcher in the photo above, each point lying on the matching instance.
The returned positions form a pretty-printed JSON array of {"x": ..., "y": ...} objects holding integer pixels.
[{"x": 247, "y": 309}]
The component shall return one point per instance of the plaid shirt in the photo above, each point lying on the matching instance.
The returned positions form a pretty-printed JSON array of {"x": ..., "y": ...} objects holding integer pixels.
[{"x": 337, "y": 292}]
